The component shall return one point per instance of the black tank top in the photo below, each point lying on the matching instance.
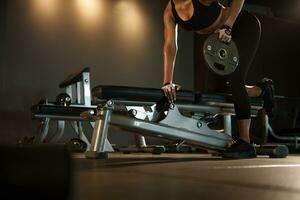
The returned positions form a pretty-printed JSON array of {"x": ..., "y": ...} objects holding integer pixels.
[{"x": 203, "y": 16}]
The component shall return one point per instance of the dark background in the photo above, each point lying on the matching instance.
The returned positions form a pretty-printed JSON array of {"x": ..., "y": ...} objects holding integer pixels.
[
  {"x": 47, "y": 40},
  {"x": 42, "y": 42}
]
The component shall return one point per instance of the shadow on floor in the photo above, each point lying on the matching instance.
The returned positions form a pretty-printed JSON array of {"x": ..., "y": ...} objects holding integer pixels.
[{"x": 129, "y": 162}]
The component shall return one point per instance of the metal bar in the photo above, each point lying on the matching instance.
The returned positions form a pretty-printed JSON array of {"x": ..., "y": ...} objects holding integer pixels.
[
  {"x": 131, "y": 103},
  {"x": 228, "y": 105},
  {"x": 290, "y": 138},
  {"x": 213, "y": 106},
  {"x": 184, "y": 106},
  {"x": 212, "y": 141},
  {"x": 61, "y": 117},
  {"x": 86, "y": 88},
  {"x": 78, "y": 92},
  {"x": 75, "y": 105},
  {"x": 211, "y": 109},
  {"x": 44, "y": 129},
  {"x": 227, "y": 124},
  {"x": 140, "y": 141},
  {"x": 59, "y": 131},
  {"x": 74, "y": 125},
  {"x": 100, "y": 131},
  {"x": 69, "y": 91}
]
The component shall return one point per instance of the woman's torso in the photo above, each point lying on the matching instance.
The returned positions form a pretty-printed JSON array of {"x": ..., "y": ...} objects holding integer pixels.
[{"x": 195, "y": 16}]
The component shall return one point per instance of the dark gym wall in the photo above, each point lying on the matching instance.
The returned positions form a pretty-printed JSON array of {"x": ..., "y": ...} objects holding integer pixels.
[
  {"x": 2, "y": 42},
  {"x": 3, "y": 63},
  {"x": 120, "y": 40}
]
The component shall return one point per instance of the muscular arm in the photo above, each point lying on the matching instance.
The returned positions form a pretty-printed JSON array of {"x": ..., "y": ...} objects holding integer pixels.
[
  {"x": 170, "y": 44},
  {"x": 235, "y": 9}
]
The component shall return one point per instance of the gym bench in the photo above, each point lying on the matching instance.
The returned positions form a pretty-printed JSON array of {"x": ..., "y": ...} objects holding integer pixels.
[
  {"x": 143, "y": 111},
  {"x": 77, "y": 87}
]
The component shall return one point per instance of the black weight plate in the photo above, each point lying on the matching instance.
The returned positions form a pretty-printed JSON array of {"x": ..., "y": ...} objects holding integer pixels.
[{"x": 222, "y": 58}]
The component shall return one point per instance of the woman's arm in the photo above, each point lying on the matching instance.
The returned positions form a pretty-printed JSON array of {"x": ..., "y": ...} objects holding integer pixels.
[
  {"x": 170, "y": 44},
  {"x": 169, "y": 52},
  {"x": 235, "y": 9}
]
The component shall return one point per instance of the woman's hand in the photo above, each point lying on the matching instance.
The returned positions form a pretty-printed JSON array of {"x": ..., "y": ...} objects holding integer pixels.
[
  {"x": 170, "y": 90},
  {"x": 225, "y": 34}
]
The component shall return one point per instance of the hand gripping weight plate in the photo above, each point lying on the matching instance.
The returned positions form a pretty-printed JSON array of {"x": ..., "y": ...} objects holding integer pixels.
[{"x": 222, "y": 58}]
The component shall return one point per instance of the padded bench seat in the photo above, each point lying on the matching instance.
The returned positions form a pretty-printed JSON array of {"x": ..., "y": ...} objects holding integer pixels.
[
  {"x": 107, "y": 92},
  {"x": 104, "y": 93}
]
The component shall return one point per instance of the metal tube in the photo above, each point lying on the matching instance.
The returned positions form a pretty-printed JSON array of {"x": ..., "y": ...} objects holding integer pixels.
[
  {"x": 78, "y": 92},
  {"x": 296, "y": 139},
  {"x": 211, "y": 141},
  {"x": 100, "y": 131},
  {"x": 140, "y": 141},
  {"x": 69, "y": 91},
  {"x": 44, "y": 129},
  {"x": 86, "y": 88},
  {"x": 59, "y": 131},
  {"x": 227, "y": 124}
]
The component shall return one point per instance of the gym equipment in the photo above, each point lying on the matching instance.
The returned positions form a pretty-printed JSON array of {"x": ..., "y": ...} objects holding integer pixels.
[
  {"x": 221, "y": 58},
  {"x": 63, "y": 99},
  {"x": 274, "y": 151},
  {"x": 55, "y": 115},
  {"x": 67, "y": 108},
  {"x": 144, "y": 110},
  {"x": 290, "y": 136},
  {"x": 35, "y": 172}
]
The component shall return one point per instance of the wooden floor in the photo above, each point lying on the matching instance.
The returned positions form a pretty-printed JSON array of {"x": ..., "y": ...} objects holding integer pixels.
[{"x": 185, "y": 176}]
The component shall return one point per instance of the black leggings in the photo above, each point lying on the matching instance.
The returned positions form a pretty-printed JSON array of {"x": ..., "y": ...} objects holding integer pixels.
[{"x": 246, "y": 35}]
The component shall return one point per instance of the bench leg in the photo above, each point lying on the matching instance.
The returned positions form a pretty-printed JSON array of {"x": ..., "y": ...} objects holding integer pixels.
[
  {"x": 44, "y": 129},
  {"x": 60, "y": 129},
  {"x": 140, "y": 141},
  {"x": 100, "y": 145},
  {"x": 227, "y": 124}
]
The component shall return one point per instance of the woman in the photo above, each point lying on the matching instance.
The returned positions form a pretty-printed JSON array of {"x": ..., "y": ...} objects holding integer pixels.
[{"x": 206, "y": 17}]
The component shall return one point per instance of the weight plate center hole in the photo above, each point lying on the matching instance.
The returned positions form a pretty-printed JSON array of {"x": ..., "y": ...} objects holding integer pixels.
[{"x": 222, "y": 53}]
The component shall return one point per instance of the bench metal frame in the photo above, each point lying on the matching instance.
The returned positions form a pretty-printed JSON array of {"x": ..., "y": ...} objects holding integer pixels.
[
  {"x": 136, "y": 118},
  {"x": 132, "y": 115},
  {"x": 80, "y": 93}
]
